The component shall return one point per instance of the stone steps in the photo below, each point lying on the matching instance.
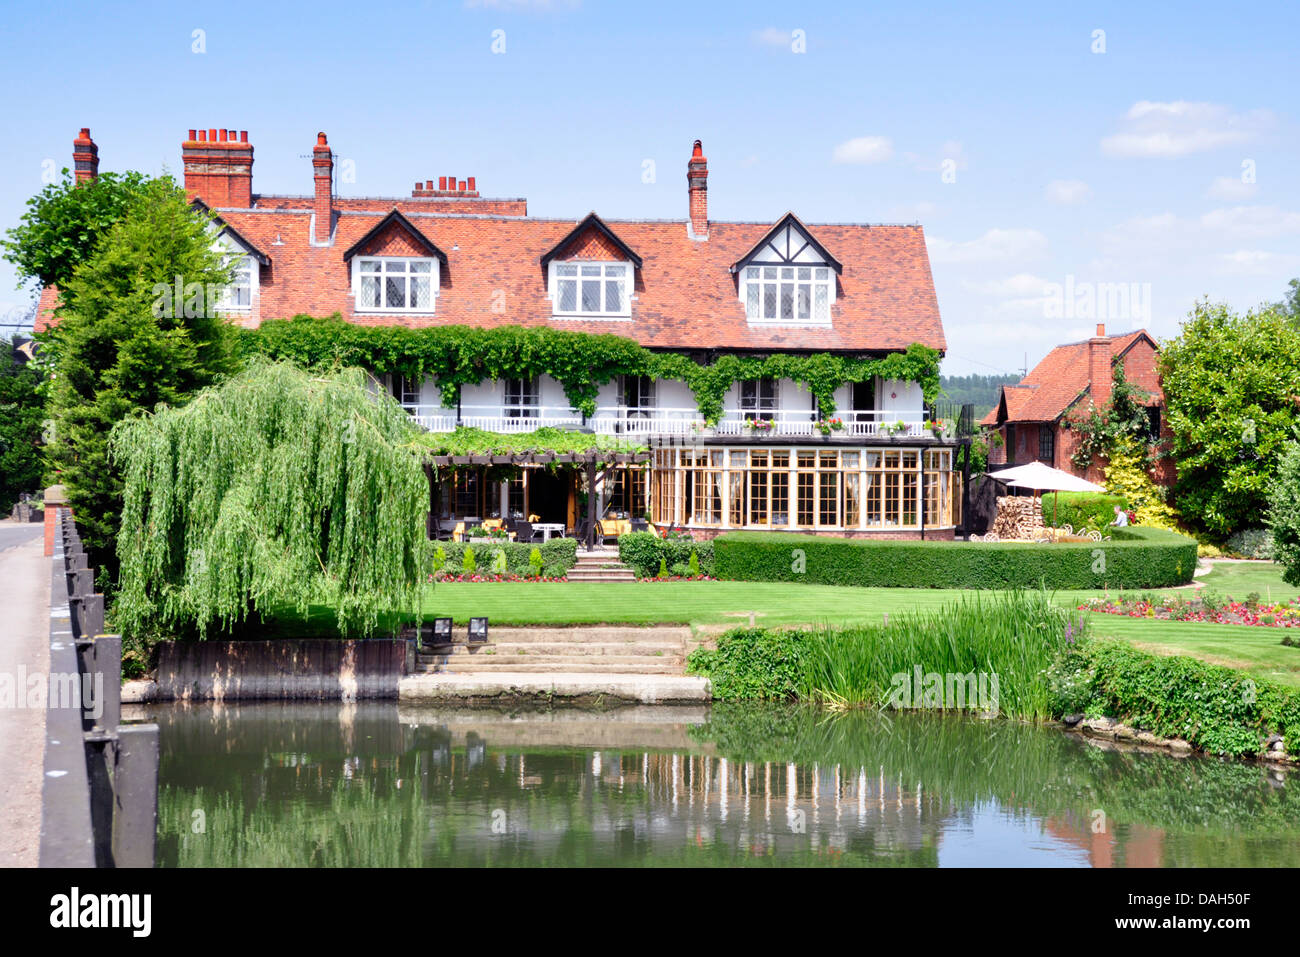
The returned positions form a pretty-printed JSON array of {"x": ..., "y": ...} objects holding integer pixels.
[
  {"x": 608, "y": 650},
  {"x": 600, "y": 565}
]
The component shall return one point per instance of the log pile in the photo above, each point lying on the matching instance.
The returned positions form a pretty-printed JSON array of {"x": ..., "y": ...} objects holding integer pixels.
[{"x": 1018, "y": 517}]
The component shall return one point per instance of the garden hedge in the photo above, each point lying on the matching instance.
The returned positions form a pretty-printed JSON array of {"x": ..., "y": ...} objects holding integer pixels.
[
  {"x": 1081, "y": 510},
  {"x": 558, "y": 556},
  {"x": 1135, "y": 557},
  {"x": 641, "y": 551}
]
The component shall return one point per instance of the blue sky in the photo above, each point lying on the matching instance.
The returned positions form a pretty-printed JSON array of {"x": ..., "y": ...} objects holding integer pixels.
[{"x": 1065, "y": 165}]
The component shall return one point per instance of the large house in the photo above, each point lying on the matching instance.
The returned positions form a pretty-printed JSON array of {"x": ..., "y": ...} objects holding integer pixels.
[
  {"x": 1032, "y": 417},
  {"x": 447, "y": 255}
]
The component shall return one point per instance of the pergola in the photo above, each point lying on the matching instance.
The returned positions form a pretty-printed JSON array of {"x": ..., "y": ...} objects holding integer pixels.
[{"x": 591, "y": 461}]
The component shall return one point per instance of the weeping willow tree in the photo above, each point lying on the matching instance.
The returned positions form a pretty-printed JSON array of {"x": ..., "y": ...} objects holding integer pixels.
[{"x": 275, "y": 490}]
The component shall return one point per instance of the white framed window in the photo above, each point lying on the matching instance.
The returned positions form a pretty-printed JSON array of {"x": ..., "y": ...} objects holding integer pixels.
[
  {"x": 238, "y": 296},
  {"x": 788, "y": 294},
  {"x": 394, "y": 283},
  {"x": 759, "y": 399},
  {"x": 591, "y": 289}
]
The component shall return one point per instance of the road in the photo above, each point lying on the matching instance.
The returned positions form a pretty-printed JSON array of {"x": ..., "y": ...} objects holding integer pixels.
[{"x": 24, "y": 648}]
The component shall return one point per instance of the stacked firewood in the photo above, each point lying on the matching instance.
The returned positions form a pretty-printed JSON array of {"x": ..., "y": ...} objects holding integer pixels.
[{"x": 1018, "y": 517}]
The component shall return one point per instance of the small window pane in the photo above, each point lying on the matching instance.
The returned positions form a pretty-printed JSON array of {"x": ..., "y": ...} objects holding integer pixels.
[
  {"x": 370, "y": 291},
  {"x": 805, "y": 273},
  {"x": 370, "y": 265},
  {"x": 395, "y": 293},
  {"x": 769, "y": 300},
  {"x": 822, "y": 273},
  {"x": 420, "y": 293},
  {"x": 613, "y": 295},
  {"x": 822, "y": 311},
  {"x": 395, "y": 265},
  {"x": 590, "y": 296},
  {"x": 787, "y": 300},
  {"x": 591, "y": 270},
  {"x": 569, "y": 295},
  {"x": 805, "y": 301},
  {"x": 751, "y": 301},
  {"x": 787, "y": 272},
  {"x": 421, "y": 267},
  {"x": 769, "y": 272},
  {"x": 751, "y": 272},
  {"x": 565, "y": 269}
]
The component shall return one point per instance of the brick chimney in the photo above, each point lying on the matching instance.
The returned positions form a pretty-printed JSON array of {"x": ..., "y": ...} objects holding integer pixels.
[
  {"x": 1099, "y": 367},
  {"x": 322, "y": 167},
  {"x": 85, "y": 156},
  {"x": 697, "y": 183},
  {"x": 448, "y": 187},
  {"x": 219, "y": 167}
]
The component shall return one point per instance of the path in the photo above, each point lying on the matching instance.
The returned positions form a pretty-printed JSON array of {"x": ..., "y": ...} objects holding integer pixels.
[{"x": 24, "y": 643}]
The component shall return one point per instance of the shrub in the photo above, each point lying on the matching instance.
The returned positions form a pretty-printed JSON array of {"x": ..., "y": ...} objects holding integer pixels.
[
  {"x": 468, "y": 563},
  {"x": 535, "y": 562},
  {"x": 1251, "y": 543},
  {"x": 439, "y": 558},
  {"x": 679, "y": 570},
  {"x": 641, "y": 551},
  {"x": 1134, "y": 558},
  {"x": 1284, "y": 514},
  {"x": 753, "y": 663},
  {"x": 499, "y": 562},
  {"x": 663, "y": 568},
  {"x": 557, "y": 556},
  {"x": 693, "y": 566},
  {"x": 1081, "y": 510},
  {"x": 1213, "y": 707}
]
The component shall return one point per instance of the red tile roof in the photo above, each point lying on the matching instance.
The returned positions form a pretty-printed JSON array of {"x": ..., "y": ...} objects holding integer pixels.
[
  {"x": 686, "y": 295},
  {"x": 1053, "y": 385}
]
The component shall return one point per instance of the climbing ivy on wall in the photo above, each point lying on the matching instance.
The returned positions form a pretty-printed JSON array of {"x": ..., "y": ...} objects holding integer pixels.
[{"x": 581, "y": 362}]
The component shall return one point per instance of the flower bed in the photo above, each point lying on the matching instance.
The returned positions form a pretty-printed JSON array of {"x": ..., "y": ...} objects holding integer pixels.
[
  {"x": 1206, "y": 608},
  {"x": 491, "y": 577}
]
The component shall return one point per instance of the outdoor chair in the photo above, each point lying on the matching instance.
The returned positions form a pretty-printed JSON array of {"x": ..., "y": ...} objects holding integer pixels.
[{"x": 524, "y": 532}]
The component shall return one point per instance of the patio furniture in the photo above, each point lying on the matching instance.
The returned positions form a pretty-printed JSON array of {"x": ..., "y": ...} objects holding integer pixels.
[
  {"x": 526, "y": 532},
  {"x": 549, "y": 530}
]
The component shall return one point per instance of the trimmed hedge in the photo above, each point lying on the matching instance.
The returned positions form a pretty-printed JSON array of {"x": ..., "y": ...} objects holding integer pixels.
[
  {"x": 1082, "y": 510},
  {"x": 1136, "y": 557},
  {"x": 641, "y": 551},
  {"x": 558, "y": 556}
]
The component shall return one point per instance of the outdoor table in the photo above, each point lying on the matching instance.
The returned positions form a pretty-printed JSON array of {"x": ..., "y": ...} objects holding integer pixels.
[
  {"x": 548, "y": 529},
  {"x": 614, "y": 527}
]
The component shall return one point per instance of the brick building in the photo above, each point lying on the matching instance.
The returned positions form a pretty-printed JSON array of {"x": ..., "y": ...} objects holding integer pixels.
[
  {"x": 1031, "y": 416},
  {"x": 446, "y": 254}
]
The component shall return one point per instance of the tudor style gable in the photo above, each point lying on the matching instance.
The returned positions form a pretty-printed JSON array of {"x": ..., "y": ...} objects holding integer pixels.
[{"x": 788, "y": 277}]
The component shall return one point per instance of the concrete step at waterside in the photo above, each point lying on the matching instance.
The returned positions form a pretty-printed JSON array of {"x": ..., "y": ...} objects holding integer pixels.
[{"x": 595, "y": 650}]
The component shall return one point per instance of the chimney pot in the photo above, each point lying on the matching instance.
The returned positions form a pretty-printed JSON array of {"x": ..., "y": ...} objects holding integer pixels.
[
  {"x": 212, "y": 135},
  {"x": 462, "y": 186},
  {"x": 471, "y": 184},
  {"x": 1101, "y": 329},
  {"x": 191, "y": 136},
  {"x": 221, "y": 135},
  {"x": 203, "y": 136},
  {"x": 320, "y": 140},
  {"x": 85, "y": 157},
  {"x": 243, "y": 136},
  {"x": 442, "y": 182},
  {"x": 428, "y": 184}
]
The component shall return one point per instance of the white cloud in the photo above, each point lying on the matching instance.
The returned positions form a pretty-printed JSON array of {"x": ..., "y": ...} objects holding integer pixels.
[
  {"x": 1067, "y": 192},
  {"x": 1166, "y": 130},
  {"x": 1251, "y": 222},
  {"x": 1020, "y": 286},
  {"x": 994, "y": 246},
  {"x": 1258, "y": 262},
  {"x": 1230, "y": 188},
  {"x": 772, "y": 37},
  {"x": 864, "y": 149}
]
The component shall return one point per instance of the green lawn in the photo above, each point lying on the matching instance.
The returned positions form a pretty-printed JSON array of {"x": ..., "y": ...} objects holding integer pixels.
[{"x": 1258, "y": 650}]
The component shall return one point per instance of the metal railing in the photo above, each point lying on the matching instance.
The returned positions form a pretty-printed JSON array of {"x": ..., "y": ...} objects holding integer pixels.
[
  {"x": 622, "y": 420},
  {"x": 99, "y": 805}
]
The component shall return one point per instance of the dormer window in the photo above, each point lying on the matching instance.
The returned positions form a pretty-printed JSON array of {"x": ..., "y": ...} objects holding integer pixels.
[
  {"x": 788, "y": 293},
  {"x": 788, "y": 278},
  {"x": 238, "y": 296},
  {"x": 395, "y": 284},
  {"x": 591, "y": 289}
]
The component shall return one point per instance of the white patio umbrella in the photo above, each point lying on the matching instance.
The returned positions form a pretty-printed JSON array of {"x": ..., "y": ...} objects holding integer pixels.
[{"x": 1044, "y": 478}]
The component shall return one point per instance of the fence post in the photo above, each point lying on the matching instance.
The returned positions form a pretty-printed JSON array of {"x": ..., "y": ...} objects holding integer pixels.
[{"x": 135, "y": 795}]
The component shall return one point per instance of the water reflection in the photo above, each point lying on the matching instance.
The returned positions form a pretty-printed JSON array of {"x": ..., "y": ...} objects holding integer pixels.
[{"x": 380, "y": 784}]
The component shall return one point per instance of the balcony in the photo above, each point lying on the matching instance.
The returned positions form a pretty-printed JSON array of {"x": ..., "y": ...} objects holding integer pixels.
[{"x": 686, "y": 422}]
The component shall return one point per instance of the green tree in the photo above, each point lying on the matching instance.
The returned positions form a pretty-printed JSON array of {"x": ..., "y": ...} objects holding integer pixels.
[
  {"x": 1230, "y": 384},
  {"x": 1284, "y": 514},
  {"x": 65, "y": 223},
  {"x": 1290, "y": 303},
  {"x": 120, "y": 345},
  {"x": 22, "y": 418},
  {"x": 274, "y": 491}
]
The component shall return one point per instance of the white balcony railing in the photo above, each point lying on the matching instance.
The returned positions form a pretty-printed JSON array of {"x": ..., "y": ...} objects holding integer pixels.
[{"x": 619, "y": 420}]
